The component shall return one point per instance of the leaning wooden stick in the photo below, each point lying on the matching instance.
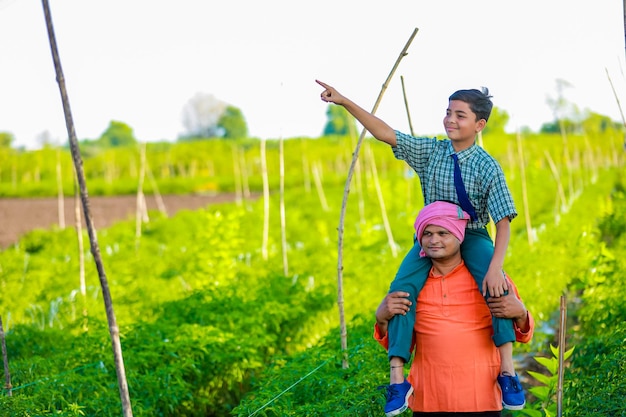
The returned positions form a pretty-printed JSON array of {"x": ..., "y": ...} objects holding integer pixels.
[
  {"x": 95, "y": 249},
  {"x": 346, "y": 192},
  {"x": 619, "y": 106}
]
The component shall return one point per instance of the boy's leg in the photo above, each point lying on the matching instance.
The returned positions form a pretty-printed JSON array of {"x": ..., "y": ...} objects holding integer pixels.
[
  {"x": 410, "y": 278},
  {"x": 477, "y": 251}
]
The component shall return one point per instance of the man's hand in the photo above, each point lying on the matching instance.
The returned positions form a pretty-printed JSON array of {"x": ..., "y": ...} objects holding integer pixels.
[
  {"x": 495, "y": 283},
  {"x": 393, "y": 303},
  {"x": 509, "y": 307},
  {"x": 330, "y": 95}
]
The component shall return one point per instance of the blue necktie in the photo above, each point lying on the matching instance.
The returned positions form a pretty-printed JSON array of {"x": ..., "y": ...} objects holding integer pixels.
[{"x": 464, "y": 200}]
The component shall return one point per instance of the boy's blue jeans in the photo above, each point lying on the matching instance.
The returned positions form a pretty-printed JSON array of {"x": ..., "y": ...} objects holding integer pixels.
[{"x": 477, "y": 251}]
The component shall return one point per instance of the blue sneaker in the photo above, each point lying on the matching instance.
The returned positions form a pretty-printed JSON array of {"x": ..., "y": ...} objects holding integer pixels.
[
  {"x": 512, "y": 392},
  {"x": 397, "y": 398}
]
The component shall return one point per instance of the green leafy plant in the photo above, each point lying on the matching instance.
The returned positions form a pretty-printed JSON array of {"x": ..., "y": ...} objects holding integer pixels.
[{"x": 546, "y": 391}]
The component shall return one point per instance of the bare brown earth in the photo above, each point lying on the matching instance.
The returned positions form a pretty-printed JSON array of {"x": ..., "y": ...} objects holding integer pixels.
[{"x": 21, "y": 215}]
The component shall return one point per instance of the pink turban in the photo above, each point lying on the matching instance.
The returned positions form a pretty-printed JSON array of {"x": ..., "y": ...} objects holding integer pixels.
[{"x": 442, "y": 214}]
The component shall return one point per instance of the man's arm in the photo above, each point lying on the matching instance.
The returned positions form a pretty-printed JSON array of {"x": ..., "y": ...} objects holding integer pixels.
[{"x": 378, "y": 128}]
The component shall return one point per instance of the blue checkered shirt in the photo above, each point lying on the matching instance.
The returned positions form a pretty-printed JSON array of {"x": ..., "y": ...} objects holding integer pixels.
[{"x": 482, "y": 176}]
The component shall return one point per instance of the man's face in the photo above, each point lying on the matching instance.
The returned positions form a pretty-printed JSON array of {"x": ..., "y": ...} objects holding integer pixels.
[
  {"x": 460, "y": 122},
  {"x": 439, "y": 243}
]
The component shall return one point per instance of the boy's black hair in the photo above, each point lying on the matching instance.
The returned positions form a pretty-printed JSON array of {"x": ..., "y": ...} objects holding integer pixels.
[{"x": 479, "y": 101}]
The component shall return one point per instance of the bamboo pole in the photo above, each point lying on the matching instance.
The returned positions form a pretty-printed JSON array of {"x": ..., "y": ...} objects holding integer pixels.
[
  {"x": 244, "y": 175},
  {"x": 355, "y": 157},
  {"x": 559, "y": 390},
  {"x": 619, "y": 106},
  {"x": 319, "y": 187},
  {"x": 283, "y": 220},
  {"x": 237, "y": 175},
  {"x": 406, "y": 106},
  {"x": 5, "y": 359},
  {"x": 522, "y": 164},
  {"x": 557, "y": 177},
  {"x": 141, "y": 214},
  {"x": 381, "y": 202},
  {"x": 266, "y": 202},
  {"x": 95, "y": 250},
  {"x": 157, "y": 194}
]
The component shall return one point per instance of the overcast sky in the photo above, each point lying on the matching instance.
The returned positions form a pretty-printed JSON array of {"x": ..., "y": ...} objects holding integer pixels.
[{"x": 140, "y": 61}]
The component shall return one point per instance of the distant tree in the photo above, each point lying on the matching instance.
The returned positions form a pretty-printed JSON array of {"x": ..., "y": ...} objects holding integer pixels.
[
  {"x": 595, "y": 124},
  {"x": 45, "y": 140},
  {"x": 201, "y": 115},
  {"x": 6, "y": 139},
  {"x": 497, "y": 121},
  {"x": 338, "y": 121},
  {"x": 567, "y": 125},
  {"x": 232, "y": 123},
  {"x": 117, "y": 134}
]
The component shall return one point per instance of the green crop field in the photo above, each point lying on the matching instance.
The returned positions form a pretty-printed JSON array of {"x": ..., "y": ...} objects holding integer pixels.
[{"x": 232, "y": 309}]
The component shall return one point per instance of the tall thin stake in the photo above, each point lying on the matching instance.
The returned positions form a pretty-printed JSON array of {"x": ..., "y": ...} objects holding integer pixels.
[
  {"x": 155, "y": 187},
  {"x": 81, "y": 252},
  {"x": 319, "y": 186},
  {"x": 95, "y": 250},
  {"x": 5, "y": 359},
  {"x": 283, "y": 219},
  {"x": 406, "y": 105},
  {"x": 559, "y": 389},
  {"x": 237, "y": 175},
  {"x": 381, "y": 202},
  {"x": 266, "y": 202},
  {"x": 344, "y": 204},
  {"x": 141, "y": 213}
]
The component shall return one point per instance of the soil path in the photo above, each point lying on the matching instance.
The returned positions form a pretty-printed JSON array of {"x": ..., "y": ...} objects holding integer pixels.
[{"x": 21, "y": 215}]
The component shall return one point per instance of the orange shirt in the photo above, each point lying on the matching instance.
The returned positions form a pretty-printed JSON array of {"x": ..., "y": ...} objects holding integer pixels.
[{"x": 455, "y": 363}]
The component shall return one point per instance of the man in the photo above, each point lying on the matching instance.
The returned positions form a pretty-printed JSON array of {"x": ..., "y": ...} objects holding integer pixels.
[{"x": 455, "y": 364}]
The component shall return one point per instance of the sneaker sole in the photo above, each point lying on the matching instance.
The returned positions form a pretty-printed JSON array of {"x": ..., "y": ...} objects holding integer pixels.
[
  {"x": 513, "y": 407},
  {"x": 404, "y": 407}
]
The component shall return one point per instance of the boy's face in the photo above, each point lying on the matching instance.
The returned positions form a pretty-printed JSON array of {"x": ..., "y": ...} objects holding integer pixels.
[{"x": 460, "y": 122}]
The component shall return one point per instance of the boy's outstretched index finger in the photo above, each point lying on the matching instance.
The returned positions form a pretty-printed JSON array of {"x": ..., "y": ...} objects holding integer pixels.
[{"x": 322, "y": 84}]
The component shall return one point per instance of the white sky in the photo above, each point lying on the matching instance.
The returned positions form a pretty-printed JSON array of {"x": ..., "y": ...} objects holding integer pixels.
[{"x": 140, "y": 61}]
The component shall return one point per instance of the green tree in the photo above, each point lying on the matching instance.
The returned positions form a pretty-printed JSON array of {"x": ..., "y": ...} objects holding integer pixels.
[
  {"x": 338, "y": 121},
  {"x": 201, "y": 115},
  {"x": 497, "y": 121},
  {"x": 116, "y": 135},
  {"x": 595, "y": 124},
  {"x": 232, "y": 123},
  {"x": 6, "y": 139}
]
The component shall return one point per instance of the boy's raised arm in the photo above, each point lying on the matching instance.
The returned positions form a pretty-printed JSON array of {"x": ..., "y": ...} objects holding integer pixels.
[{"x": 378, "y": 128}]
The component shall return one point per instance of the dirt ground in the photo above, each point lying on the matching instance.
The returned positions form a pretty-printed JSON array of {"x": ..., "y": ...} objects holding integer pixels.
[{"x": 21, "y": 215}]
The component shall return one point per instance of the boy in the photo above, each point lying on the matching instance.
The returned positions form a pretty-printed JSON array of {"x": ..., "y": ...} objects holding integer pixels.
[{"x": 456, "y": 170}]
